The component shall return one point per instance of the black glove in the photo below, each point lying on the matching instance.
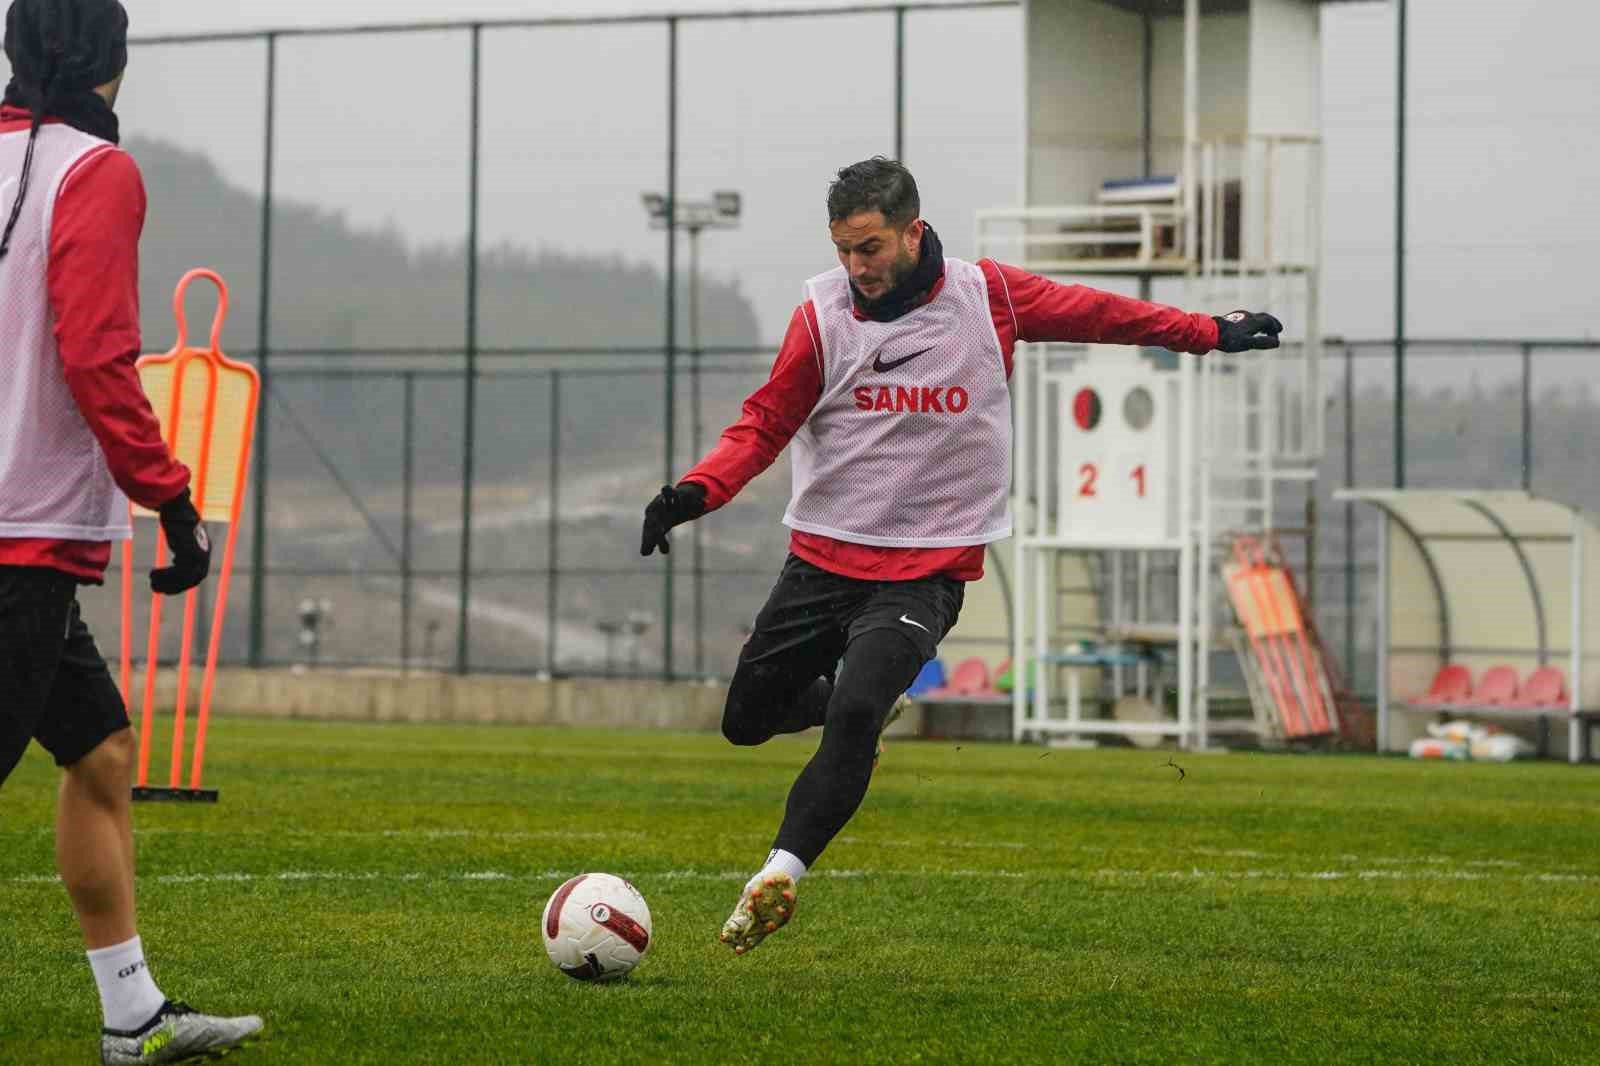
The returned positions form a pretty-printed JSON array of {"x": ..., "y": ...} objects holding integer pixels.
[
  {"x": 191, "y": 548},
  {"x": 1240, "y": 331},
  {"x": 673, "y": 507}
]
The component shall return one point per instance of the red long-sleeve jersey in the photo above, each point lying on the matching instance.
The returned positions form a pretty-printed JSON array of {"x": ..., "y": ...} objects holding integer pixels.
[
  {"x": 1024, "y": 306},
  {"x": 94, "y": 303}
]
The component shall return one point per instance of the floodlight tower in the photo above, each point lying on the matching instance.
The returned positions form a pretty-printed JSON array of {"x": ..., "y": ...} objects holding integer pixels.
[
  {"x": 722, "y": 211},
  {"x": 1175, "y": 143}
]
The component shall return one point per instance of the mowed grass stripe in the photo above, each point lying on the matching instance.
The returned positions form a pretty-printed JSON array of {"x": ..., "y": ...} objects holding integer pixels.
[{"x": 374, "y": 891}]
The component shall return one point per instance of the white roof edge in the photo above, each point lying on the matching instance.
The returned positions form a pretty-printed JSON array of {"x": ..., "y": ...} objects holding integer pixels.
[{"x": 1486, "y": 496}]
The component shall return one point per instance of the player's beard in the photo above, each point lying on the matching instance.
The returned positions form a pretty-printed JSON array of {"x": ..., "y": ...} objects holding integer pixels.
[{"x": 901, "y": 269}]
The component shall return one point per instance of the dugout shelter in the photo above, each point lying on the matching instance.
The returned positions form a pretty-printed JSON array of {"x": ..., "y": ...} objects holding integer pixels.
[{"x": 1488, "y": 581}]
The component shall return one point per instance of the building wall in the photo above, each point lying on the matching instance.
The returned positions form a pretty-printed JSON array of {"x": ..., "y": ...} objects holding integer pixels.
[
  {"x": 1259, "y": 73},
  {"x": 1085, "y": 111},
  {"x": 1285, "y": 66},
  {"x": 389, "y": 696},
  {"x": 1224, "y": 110}
]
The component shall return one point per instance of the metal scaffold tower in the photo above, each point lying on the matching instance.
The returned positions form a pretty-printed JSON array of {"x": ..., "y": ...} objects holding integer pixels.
[{"x": 1150, "y": 462}]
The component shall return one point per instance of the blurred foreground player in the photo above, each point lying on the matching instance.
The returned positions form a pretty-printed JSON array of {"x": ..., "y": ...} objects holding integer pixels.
[
  {"x": 76, "y": 433},
  {"x": 893, "y": 385}
]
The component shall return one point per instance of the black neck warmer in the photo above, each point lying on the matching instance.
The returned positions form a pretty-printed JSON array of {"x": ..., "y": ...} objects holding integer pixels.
[
  {"x": 913, "y": 289},
  {"x": 86, "y": 111}
]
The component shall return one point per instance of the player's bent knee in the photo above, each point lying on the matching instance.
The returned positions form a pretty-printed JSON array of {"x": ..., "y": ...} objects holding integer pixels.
[
  {"x": 739, "y": 725},
  {"x": 742, "y": 729},
  {"x": 742, "y": 720}
]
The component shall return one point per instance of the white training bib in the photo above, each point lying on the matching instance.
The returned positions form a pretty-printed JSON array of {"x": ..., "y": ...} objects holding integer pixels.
[
  {"x": 909, "y": 445},
  {"x": 54, "y": 482}
]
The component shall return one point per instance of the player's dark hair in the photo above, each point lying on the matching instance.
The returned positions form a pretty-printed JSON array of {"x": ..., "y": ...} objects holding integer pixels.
[
  {"x": 58, "y": 49},
  {"x": 876, "y": 184}
]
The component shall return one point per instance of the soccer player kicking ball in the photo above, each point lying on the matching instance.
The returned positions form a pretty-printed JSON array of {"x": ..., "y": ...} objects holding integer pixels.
[
  {"x": 76, "y": 433},
  {"x": 893, "y": 386}
]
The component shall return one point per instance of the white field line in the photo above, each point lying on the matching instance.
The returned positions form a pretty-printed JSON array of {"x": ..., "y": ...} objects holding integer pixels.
[
  {"x": 1372, "y": 867},
  {"x": 1191, "y": 875},
  {"x": 1390, "y": 874}
]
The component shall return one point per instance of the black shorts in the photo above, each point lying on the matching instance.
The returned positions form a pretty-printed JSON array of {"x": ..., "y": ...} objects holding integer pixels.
[
  {"x": 813, "y": 615},
  {"x": 54, "y": 686}
]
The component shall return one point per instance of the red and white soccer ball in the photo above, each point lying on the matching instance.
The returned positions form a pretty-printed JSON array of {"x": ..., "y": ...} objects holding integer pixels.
[{"x": 596, "y": 927}]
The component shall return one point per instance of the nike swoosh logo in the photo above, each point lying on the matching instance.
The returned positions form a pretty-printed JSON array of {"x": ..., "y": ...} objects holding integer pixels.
[
  {"x": 880, "y": 366},
  {"x": 911, "y": 622}
]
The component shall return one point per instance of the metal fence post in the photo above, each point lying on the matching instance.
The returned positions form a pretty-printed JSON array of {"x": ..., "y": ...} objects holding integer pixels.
[
  {"x": 1400, "y": 256},
  {"x": 696, "y": 354},
  {"x": 672, "y": 327},
  {"x": 553, "y": 574},
  {"x": 469, "y": 446},
  {"x": 258, "y": 541},
  {"x": 900, "y": 84},
  {"x": 1527, "y": 418},
  {"x": 1349, "y": 510},
  {"x": 407, "y": 470}
]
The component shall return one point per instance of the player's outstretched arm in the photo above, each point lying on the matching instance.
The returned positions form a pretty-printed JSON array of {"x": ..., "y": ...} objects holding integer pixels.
[
  {"x": 772, "y": 415},
  {"x": 1038, "y": 309}
]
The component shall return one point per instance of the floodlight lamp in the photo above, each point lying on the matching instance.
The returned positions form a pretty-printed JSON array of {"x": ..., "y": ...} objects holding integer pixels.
[
  {"x": 728, "y": 203},
  {"x": 655, "y": 203}
]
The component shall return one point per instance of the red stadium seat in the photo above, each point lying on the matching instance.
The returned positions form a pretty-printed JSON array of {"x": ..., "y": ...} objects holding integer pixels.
[
  {"x": 1545, "y": 688},
  {"x": 990, "y": 687},
  {"x": 969, "y": 678},
  {"x": 1451, "y": 685},
  {"x": 1497, "y": 688}
]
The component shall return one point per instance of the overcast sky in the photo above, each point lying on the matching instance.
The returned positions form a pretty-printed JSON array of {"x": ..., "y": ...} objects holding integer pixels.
[{"x": 1505, "y": 118}]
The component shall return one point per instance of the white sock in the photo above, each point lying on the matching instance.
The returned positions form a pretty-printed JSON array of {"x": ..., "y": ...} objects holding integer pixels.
[
  {"x": 128, "y": 994},
  {"x": 779, "y": 862}
]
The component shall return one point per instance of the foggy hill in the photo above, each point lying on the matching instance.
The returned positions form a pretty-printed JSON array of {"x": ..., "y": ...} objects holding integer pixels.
[
  {"x": 335, "y": 285},
  {"x": 339, "y": 286}
]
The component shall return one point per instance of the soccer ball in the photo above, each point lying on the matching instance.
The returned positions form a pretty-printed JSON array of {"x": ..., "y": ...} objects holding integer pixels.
[{"x": 596, "y": 927}]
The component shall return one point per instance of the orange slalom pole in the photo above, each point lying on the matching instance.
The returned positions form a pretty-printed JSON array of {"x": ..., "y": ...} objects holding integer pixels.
[
  {"x": 190, "y": 606},
  {"x": 209, "y": 678},
  {"x": 223, "y": 582},
  {"x": 191, "y": 598},
  {"x": 151, "y": 657}
]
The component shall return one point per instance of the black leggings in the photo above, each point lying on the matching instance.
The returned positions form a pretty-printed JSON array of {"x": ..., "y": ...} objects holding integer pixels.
[{"x": 763, "y": 701}]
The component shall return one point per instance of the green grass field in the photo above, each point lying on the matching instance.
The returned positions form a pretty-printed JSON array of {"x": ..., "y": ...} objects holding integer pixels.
[{"x": 374, "y": 892}]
